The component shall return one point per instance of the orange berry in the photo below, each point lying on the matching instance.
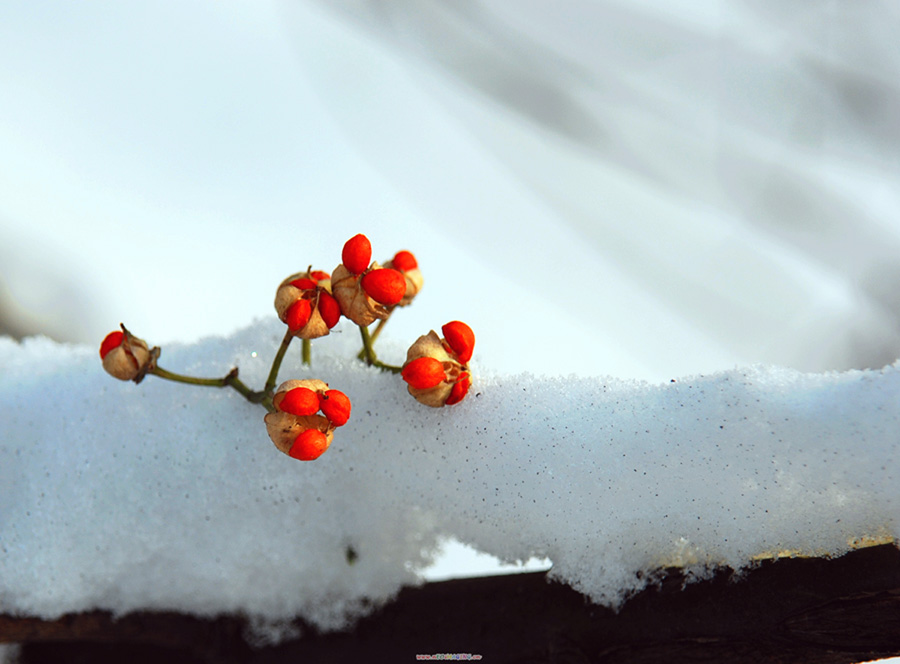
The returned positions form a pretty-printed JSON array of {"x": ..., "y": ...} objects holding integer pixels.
[
  {"x": 404, "y": 260},
  {"x": 384, "y": 285},
  {"x": 336, "y": 407},
  {"x": 298, "y": 315},
  {"x": 299, "y": 401},
  {"x": 460, "y": 338},
  {"x": 112, "y": 340},
  {"x": 357, "y": 254},
  {"x": 459, "y": 389},
  {"x": 304, "y": 284},
  {"x": 423, "y": 373},
  {"x": 310, "y": 444},
  {"x": 329, "y": 309}
]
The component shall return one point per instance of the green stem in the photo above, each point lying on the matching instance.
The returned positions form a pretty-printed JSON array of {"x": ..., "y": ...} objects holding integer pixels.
[
  {"x": 178, "y": 378},
  {"x": 230, "y": 380},
  {"x": 374, "y": 336},
  {"x": 305, "y": 346},
  {"x": 367, "y": 350},
  {"x": 276, "y": 363},
  {"x": 369, "y": 353},
  {"x": 388, "y": 367}
]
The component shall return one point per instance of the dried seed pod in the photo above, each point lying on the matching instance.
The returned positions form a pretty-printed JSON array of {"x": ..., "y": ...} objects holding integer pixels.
[
  {"x": 460, "y": 389},
  {"x": 303, "y": 301},
  {"x": 285, "y": 428},
  {"x": 353, "y": 300},
  {"x": 405, "y": 263},
  {"x": 314, "y": 385},
  {"x": 434, "y": 372},
  {"x": 295, "y": 427},
  {"x": 125, "y": 356}
]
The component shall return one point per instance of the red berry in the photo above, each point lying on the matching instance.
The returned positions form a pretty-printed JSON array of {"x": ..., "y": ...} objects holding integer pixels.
[
  {"x": 385, "y": 286},
  {"x": 357, "y": 254},
  {"x": 304, "y": 283},
  {"x": 423, "y": 373},
  {"x": 336, "y": 407},
  {"x": 329, "y": 309},
  {"x": 459, "y": 389},
  {"x": 318, "y": 275},
  {"x": 404, "y": 260},
  {"x": 310, "y": 444},
  {"x": 299, "y": 401},
  {"x": 297, "y": 315},
  {"x": 112, "y": 340},
  {"x": 460, "y": 338}
]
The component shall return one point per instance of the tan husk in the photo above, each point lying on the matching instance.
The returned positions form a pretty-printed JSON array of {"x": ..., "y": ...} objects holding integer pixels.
[
  {"x": 435, "y": 396},
  {"x": 414, "y": 282},
  {"x": 287, "y": 294},
  {"x": 315, "y": 326},
  {"x": 313, "y": 384},
  {"x": 129, "y": 359},
  {"x": 283, "y": 428},
  {"x": 430, "y": 345},
  {"x": 354, "y": 303}
]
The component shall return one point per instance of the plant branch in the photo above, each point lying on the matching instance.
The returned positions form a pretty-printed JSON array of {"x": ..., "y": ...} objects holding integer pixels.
[
  {"x": 276, "y": 363},
  {"x": 230, "y": 380},
  {"x": 374, "y": 336},
  {"x": 306, "y": 346},
  {"x": 369, "y": 353}
]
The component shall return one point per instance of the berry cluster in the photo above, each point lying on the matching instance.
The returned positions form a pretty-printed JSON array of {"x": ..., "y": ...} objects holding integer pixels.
[
  {"x": 303, "y": 414},
  {"x": 435, "y": 368},
  {"x": 296, "y": 428}
]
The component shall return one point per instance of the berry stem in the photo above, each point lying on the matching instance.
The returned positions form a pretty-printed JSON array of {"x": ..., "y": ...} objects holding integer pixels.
[
  {"x": 306, "y": 348},
  {"x": 276, "y": 363},
  {"x": 230, "y": 380},
  {"x": 369, "y": 353},
  {"x": 373, "y": 337}
]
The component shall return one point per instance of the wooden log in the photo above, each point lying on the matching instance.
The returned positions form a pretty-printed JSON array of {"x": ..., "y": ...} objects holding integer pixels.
[{"x": 827, "y": 611}]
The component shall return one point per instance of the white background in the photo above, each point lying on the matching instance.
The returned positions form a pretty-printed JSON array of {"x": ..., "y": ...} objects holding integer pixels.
[{"x": 637, "y": 189}]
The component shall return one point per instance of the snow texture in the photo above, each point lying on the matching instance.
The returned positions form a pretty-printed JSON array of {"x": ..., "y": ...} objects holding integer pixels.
[{"x": 165, "y": 496}]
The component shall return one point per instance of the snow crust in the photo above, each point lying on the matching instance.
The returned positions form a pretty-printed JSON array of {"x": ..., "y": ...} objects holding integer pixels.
[{"x": 165, "y": 496}]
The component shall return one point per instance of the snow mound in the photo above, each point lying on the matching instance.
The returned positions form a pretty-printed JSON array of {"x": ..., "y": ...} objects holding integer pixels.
[{"x": 165, "y": 496}]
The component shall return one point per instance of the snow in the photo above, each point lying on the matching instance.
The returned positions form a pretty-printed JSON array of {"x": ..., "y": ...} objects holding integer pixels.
[{"x": 165, "y": 496}]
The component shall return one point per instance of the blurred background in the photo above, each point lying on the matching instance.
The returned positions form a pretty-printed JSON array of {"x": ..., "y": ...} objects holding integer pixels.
[{"x": 642, "y": 189}]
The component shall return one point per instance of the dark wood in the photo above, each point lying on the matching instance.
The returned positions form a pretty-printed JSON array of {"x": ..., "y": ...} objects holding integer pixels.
[
  {"x": 181, "y": 638},
  {"x": 827, "y": 611}
]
